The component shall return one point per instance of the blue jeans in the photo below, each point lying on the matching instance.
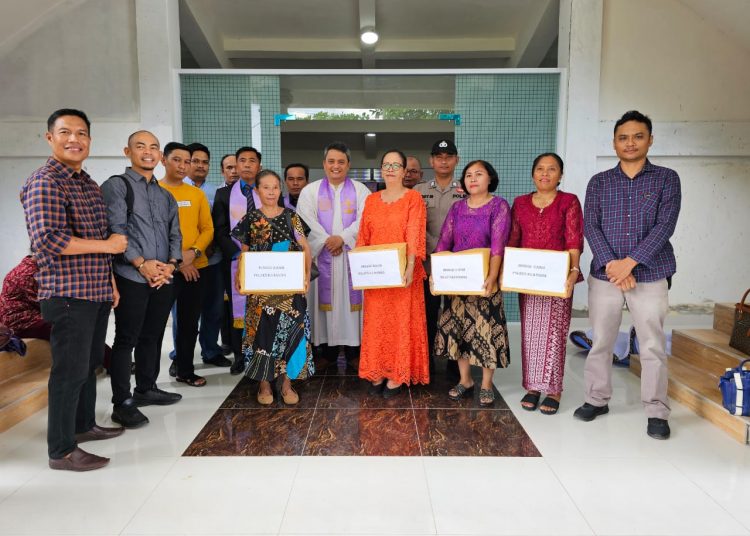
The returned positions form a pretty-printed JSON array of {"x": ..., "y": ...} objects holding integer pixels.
[{"x": 212, "y": 314}]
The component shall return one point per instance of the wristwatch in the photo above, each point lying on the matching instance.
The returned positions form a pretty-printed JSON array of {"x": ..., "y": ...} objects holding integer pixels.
[
  {"x": 176, "y": 265},
  {"x": 198, "y": 252}
]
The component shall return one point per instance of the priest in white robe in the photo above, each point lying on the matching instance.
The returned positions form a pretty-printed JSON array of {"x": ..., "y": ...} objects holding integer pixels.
[{"x": 332, "y": 208}]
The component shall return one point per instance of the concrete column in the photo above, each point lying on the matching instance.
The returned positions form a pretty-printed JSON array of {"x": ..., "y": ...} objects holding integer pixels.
[
  {"x": 580, "y": 51},
  {"x": 158, "y": 45}
]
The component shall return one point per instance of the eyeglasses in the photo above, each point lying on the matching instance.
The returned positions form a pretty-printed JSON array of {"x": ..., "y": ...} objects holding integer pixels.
[{"x": 394, "y": 166}]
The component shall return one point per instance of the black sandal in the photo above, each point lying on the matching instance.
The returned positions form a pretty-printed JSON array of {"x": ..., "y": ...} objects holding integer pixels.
[
  {"x": 550, "y": 403},
  {"x": 530, "y": 398},
  {"x": 461, "y": 391},
  {"x": 193, "y": 380},
  {"x": 489, "y": 398}
]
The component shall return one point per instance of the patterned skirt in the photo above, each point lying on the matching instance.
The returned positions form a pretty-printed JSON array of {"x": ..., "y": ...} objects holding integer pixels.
[
  {"x": 276, "y": 340},
  {"x": 473, "y": 328},
  {"x": 544, "y": 331}
]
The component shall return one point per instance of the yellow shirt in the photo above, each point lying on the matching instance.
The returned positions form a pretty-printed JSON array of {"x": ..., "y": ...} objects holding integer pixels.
[{"x": 196, "y": 224}]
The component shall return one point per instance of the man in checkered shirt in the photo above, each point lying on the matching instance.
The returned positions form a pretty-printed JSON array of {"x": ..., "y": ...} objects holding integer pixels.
[
  {"x": 67, "y": 224},
  {"x": 630, "y": 214}
]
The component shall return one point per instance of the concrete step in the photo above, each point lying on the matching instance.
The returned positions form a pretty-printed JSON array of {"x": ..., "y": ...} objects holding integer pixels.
[
  {"x": 38, "y": 354},
  {"x": 706, "y": 349},
  {"x": 724, "y": 317},
  {"x": 23, "y": 395},
  {"x": 699, "y": 391}
]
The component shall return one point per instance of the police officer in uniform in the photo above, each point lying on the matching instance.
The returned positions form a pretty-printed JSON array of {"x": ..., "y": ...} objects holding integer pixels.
[{"x": 439, "y": 194}]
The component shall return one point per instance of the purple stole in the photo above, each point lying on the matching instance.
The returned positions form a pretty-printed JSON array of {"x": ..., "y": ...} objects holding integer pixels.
[
  {"x": 237, "y": 209},
  {"x": 325, "y": 259},
  {"x": 288, "y": 204}
]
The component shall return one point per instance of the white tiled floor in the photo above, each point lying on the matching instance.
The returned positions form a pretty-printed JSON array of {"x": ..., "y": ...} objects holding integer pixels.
[{"x": 606, "y": 477}]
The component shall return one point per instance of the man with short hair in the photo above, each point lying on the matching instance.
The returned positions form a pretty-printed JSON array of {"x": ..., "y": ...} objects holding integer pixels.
[
  {"x": 197, "y": 233},
  {"x": 229, "y": 173},
  {"x": 139, "y": 208},
  {"x": 439, "y": 195},
  {"x": 414, "y": 172},
  {"x": 213, "y": 301},
  {"x": 230, "y": 205},
  {"x": 630, "y": 214},
  {"x": 332, "y": 208},
  {"x": 296, "y": 177},
  {"x": 67, "y": 224},
  {"x": 229, "y": 169}
]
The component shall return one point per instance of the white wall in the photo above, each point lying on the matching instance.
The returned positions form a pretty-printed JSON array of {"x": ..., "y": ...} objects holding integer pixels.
[
  {"x": 111, "y": 58},
  {"x": 693, "y": 79}
]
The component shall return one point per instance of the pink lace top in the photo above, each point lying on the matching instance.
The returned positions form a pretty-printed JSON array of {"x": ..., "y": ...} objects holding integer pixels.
[
  {"x": 468, "y": 228},
  {"x": 558, "y": 226}
]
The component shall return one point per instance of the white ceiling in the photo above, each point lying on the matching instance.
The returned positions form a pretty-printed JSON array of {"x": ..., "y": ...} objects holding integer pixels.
[{"x": 325, "y": 33}]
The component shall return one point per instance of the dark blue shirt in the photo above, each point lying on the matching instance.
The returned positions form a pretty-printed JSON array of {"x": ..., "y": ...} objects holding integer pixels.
[{"x": 634, "y": 218}]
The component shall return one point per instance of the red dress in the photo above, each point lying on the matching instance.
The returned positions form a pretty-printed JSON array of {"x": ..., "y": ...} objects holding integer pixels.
[
  {"x": 394, "y": 331},
  {"x": 545, "y": 320},
  {"x": 19, "y": 305}
]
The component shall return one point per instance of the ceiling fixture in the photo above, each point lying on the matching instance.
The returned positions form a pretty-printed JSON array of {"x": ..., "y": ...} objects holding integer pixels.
[
  {"x": 369, "y": 36},
  {"x": 371, "y": 134}
]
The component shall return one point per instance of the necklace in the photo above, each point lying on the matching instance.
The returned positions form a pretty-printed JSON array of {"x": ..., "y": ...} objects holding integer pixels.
[{"x": 544, "y": 203}]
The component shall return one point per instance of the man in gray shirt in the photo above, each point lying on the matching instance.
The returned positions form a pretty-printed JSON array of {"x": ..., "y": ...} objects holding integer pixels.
[
  {"x": 144, "y": 211},
  {"x": 439, "y": 195}
]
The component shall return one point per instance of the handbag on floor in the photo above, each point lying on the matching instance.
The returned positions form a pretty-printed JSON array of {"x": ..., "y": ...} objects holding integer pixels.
[
  {"x": 735, "y": 390},
  {"x": 740, "y": 339}
]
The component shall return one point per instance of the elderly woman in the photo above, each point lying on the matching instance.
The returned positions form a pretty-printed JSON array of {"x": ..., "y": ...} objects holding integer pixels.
[
  {"x": 276, "y": 341},
  {"x": 394, "y": 333},
  {"x": 546, "y": 219},
  {"x": 472, "y": 329}
]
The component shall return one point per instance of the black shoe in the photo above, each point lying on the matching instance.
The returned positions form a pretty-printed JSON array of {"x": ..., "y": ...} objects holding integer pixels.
[
  {"x": 173, "y": 369},
  {"x": 128, "y": 415},
  {"x": 226, "y": 349},
  {"x": 587, "y": 412},
  {"x": 658, "y": 428},
  {"x": 155, "y": 397},
  {"x": 390, "y": 393},
  {"x": 374, "y": 390},
  {"x": 218, "y": 361},
  {"x": 238, "y": 367}
]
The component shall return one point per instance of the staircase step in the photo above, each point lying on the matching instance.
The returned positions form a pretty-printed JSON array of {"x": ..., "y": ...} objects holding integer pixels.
[
  {"x": 724, "y": 317},
  {"x": 38, "y": 354},
  {"x": 706, "y": 349},
  {"x": 22, "y": 395},
  {"x": 699, "y": 391}
]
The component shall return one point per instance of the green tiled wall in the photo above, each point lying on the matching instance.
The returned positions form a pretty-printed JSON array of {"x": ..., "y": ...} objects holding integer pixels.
[
  {"x": 507, "y": 120},
  {"x": 216, "y": 112}
]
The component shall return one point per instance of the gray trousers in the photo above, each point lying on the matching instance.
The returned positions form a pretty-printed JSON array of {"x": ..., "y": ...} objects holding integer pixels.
[{"x": 648, "y": 306}]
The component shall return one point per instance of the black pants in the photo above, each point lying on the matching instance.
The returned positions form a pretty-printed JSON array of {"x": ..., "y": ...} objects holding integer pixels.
[
  {"x": 79, "y": 328},
  {"x": 234, "y": 334},
  {"x": 140, "y": 320},
  {"x": 189, "y": 298}
]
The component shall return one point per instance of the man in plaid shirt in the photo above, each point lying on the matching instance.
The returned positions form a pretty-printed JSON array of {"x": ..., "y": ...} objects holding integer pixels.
[
  {"x": 630, "y": 214},
  {"x": 67, "y": 224}
]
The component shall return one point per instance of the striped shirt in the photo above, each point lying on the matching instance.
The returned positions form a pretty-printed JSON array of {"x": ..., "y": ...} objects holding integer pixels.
[
  {"x": 634, "y": 218},
  {"x": 59, "y": 204}
]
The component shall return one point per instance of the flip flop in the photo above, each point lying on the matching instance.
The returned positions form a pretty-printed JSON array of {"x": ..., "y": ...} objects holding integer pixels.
[
  {"x": 550, "y": 403},
  {"x": 530, "y": 398}
]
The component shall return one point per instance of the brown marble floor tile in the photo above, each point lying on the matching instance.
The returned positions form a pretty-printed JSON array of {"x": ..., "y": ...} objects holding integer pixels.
[
  {"x": 350, "y": 392},
  {"x": 244, "y": 395},
  {"x": 253, "y": 432},
  {"x": 462, "y": 432},
  {"x": 435, "y": 395},
  {"x": 363, "y": 432}
]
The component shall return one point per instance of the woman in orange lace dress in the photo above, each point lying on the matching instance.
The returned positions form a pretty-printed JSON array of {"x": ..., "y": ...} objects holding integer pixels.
[{"x": 394, "y": 333}]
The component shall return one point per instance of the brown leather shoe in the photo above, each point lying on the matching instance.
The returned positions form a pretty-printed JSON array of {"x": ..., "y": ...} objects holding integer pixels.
[
  {"x": 79, "y": 460},
  {"x": 99, "y": 432}
]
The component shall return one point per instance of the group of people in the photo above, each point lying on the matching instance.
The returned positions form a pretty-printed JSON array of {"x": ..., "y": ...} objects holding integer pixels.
[{"x": 140, "y": 246}]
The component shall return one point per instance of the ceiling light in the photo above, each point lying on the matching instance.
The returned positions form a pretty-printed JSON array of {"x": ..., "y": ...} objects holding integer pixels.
[
  {"x": 369, "y": 36},
  {"x": 371, "y": 134}
]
